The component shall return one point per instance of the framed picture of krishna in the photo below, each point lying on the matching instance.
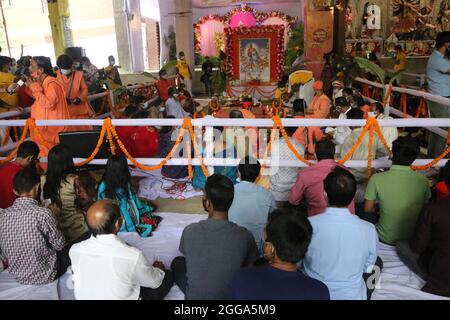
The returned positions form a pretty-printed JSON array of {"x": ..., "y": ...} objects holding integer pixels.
[{"x": 255, "y": 55}]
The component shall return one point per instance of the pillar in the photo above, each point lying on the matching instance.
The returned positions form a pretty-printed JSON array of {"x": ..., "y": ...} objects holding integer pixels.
[
  {"x": 59, "y": 15},
  {"x": 184, "y": 30},
  {"x": 319, "y": 27},
  {"x": 127, "y": 18}
]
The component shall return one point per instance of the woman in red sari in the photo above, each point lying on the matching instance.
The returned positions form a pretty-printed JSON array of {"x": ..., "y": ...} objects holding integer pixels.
[
  {"x": 50, "y": 101},
  {"x": 76, "y": 91}
]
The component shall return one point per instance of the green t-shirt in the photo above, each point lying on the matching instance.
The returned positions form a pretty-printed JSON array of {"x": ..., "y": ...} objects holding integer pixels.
[{"x": 401, "y": 194}]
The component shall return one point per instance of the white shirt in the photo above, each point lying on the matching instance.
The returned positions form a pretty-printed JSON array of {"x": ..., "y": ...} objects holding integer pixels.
[{"x": 106, "y": 268}]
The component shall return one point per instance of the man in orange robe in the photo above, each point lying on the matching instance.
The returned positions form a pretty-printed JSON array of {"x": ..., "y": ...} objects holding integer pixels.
[
  {"x": 74, "y": 83},
  {"x": 321, "y": 104},
  {"x": 50, "y": 102}
]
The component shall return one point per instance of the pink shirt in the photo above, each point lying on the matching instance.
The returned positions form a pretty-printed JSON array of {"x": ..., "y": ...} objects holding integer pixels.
[{"x": 309, "y": 186}]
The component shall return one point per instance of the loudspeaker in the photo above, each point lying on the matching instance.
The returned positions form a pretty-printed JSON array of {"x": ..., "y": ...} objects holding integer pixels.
[
  {"x": 75, "y": 52},
  {"x": 82, "y": 143}
]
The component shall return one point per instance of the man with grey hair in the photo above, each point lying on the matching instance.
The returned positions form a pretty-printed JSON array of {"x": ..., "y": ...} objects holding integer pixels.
[{"x": 106, "y": 268}]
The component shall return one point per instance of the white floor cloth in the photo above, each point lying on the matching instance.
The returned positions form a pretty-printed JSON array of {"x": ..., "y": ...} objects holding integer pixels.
[{"x": 397, "y": 281}]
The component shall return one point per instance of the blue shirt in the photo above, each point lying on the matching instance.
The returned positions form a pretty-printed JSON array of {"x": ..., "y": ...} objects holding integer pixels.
[
  {"x": 251, "y": 207},
  {"x": 269, "y": 283},
  {"x": 438, "y": 76},
  {"x": 343, "y": 247}
]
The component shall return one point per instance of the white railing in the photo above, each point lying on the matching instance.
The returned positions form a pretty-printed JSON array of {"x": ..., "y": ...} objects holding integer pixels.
[{"x": 209, "y": 123}]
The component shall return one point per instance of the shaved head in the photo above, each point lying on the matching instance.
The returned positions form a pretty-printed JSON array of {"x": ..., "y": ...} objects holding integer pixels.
[{"x": 103, "y": 217}]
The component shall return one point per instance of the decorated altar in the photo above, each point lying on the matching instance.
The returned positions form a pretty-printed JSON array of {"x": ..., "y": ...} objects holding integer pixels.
[{"x": 254, "y": 44}]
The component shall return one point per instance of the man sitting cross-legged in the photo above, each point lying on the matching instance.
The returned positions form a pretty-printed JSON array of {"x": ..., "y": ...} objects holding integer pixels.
[
  {"x": 106, "y": 268},
  {"x": 215, "y": 248}
]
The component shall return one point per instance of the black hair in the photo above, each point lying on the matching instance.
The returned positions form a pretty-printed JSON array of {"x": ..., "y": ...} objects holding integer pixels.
[
  {"x": 112, "y": 214},
  {"x": 142, "y": 114},
  {"x": 130, "y": 110},
  {"x": 446, "y": 173},
  {"x": 64, "y": 62},
  {"x": 236, "y": 114},
  {"x": 355, "y": 114},
  {"x": 299, "y": 106},
  {"x": 45, "y": 64},
  {"x": 340, "y": 186},
  {"x": 28, "y": 149},
  {"x": 117, "y": 176},
  {"x": 4, "y": 61},
  {"x": 325, "y": 149},
  {"x": 290, "y": 233},
  {"x": 181, "y": 53},
  {"x": 249, "y": 168},
  {"x": 171, "y": 91},
  {"x": 442, "y": 38},
  {"x": 341, "y": 102},
  {"x": 25, "y": 180},
  {"x": 60, "y": 164},
  {"x": 219, "y": 190},
  {"x": 398, "y": 47},
  {"x": 405, "y": 151}
]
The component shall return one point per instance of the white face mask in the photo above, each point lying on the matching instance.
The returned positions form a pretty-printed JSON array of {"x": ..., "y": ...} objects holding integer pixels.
[
  {"x": 66, "y": 72},
  {"x": 112, "y": 63},
  {"x": 76, "y": 65},
  {"x": 372, "y": 114}
]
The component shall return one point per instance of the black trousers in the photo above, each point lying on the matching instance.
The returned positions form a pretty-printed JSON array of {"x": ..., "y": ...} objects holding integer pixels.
[
  {"x": 63, "y": 258},
  {"x": 178, "y": 267},
  {"x": 158, "y": 293}
]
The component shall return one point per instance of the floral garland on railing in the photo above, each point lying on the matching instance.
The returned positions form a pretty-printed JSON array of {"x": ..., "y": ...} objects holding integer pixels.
[
  {"x": 371, "y": 126},
  {"x": 230, "y": 32}
]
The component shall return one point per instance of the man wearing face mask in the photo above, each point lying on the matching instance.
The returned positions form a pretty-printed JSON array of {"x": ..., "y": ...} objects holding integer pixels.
[
  {"x": 50, "y": 101},
  {"x": 184, "y": 71},
  {"x": 76, "y": 90},
  {"x": 438, "y": 72}
]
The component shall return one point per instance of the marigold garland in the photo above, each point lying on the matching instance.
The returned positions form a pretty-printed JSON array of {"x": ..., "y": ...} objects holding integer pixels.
[
  {"x": 187, "y": 122},
  {"x": 356, "y": 145},
  {"x": 432, "y": 163},
  {"x": 198, "y": 115},
  {"x": 403, "y": 105},
  {"x": 36, "y": 133},
  {"x": 370, "y": 155},
  {"x": 112, "y": 146},
  {"x": 388, "y": 96}
]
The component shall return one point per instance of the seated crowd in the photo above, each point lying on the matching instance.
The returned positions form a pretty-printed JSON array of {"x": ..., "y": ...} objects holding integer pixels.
[{"x": 312, "y": 233}]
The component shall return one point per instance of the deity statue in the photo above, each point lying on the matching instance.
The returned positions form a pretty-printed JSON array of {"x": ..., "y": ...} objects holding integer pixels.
[{"x": 444, "y": 16}]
